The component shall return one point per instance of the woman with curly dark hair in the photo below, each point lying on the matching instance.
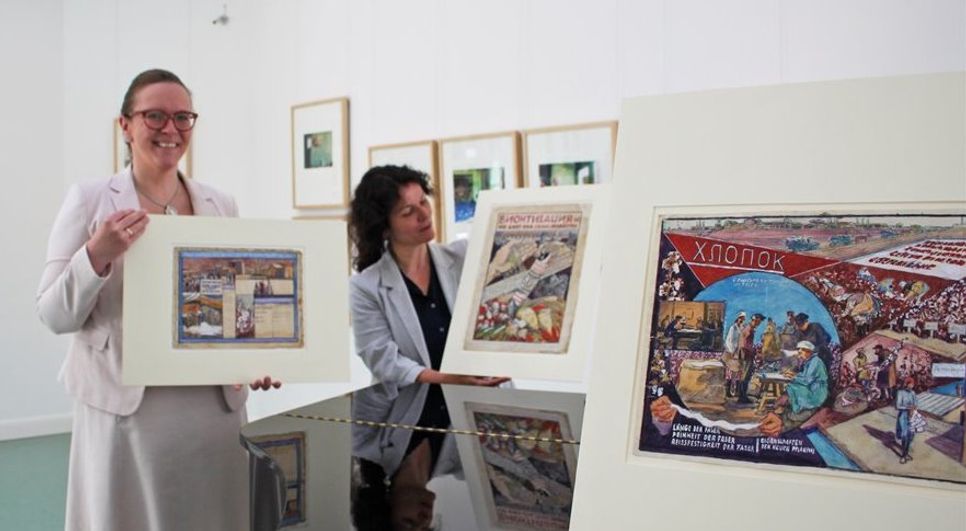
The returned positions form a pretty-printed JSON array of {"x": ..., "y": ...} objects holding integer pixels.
[{"x": 400, "y": 303}]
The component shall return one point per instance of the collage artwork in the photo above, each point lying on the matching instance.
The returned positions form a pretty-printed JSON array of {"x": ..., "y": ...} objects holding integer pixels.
[
  {"x": 238, "y": 298},
  {"x": 824, "y": 341}
]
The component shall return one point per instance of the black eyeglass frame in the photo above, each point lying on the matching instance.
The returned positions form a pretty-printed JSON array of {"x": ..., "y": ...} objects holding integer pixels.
[{"x": 167, "y": 118}]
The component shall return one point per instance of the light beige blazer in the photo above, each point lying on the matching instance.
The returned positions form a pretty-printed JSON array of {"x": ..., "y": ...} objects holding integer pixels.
[{"x": 73, "y": 299}]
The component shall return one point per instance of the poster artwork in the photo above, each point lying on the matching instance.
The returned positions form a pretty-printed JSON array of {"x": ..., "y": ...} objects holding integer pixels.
[
  {"x": 529, "y": 484},
  {"x": 527, "y": 293},
  {"x": 228, "y": 298},
  {"x": 288, "y": 452},
  {"x": 824, "y": 341}
]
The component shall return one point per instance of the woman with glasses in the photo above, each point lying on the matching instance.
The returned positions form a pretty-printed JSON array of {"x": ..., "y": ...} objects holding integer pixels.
[{"x": 141, "y": 458}]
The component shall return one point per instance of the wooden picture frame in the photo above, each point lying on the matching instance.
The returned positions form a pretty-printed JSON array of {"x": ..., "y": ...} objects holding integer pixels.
[
  {"x": 320, "y": 153},
  {"x": 475, "y": 163},
  {"x": 570, "y": 154}
]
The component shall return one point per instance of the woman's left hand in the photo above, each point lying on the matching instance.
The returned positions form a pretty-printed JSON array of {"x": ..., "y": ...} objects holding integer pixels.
[{"x": 265, "y": 384}]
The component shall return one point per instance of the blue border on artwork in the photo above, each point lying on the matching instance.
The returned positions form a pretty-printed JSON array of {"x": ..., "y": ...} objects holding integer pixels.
[{"x": 260, "y": 255}]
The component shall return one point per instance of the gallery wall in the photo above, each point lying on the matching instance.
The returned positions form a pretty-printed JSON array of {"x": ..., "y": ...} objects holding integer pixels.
[{"x": 412, "y": 70}]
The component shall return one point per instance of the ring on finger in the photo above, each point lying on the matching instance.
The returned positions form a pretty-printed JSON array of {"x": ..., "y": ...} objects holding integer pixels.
[{"x": 129, "y": 231}]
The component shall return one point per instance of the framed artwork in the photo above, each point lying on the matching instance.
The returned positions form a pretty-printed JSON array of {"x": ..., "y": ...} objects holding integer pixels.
[
  {"x": 122, "y": 155},
  {"x": 825, "y": 340},
  {"x": 748, "y": 156},
  {"x": 569, "y": 155},
  {"x": 314, "y": 457},
  {"x": 468, "y": 166},
  {"x": 530, "y": 311},
  {"x": 422, "y": 156},
  {"x": 288, "y": 450},
  {"x": 542, "y": 449},
  {"x": 320, "y": 153},
  {"x": 220, "y": 300}
]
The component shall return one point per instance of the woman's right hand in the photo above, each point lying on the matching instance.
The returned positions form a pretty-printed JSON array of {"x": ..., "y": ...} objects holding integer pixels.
[
  {"x": 435, "y": 377},
  {"x": 114, "y": 237}
]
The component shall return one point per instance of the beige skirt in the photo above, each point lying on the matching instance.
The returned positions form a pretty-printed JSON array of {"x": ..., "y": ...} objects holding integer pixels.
[{"x": 176, "y": 463}]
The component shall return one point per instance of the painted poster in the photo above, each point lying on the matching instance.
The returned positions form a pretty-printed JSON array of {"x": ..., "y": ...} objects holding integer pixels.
[
  {"x": 826, "y": 341},
  {"x": 529, "y": 483},
  {"x": 526, "y": 295},
  {"x": 232, "y": 298},
  {"x": 288, "y": 452}
]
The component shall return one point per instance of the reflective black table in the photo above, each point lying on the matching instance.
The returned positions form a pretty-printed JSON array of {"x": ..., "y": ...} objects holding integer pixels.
[{"x": 505, "y": 459}]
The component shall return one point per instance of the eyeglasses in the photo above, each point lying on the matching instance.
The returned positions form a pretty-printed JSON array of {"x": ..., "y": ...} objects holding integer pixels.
[{"x": 155, "y": 119}]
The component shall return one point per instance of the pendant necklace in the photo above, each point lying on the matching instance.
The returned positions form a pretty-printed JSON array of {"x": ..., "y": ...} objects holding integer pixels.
[{"x": 166, "y": 207}]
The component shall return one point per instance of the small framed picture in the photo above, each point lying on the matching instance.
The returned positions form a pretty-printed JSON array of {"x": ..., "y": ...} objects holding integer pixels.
[
  {"x": 320, "y": 153},
  {"x": 469, "y": 165},
  {"x": 421, "y": 156},
  {"x": 122, "y": 153},
  {"x": 569, "y": 155}
]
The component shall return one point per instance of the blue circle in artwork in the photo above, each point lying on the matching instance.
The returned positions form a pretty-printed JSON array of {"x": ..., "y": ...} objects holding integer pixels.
[{"x": 769, "y": 294}]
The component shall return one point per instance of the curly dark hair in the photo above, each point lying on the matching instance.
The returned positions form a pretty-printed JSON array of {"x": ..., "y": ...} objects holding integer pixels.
[{"x": 374, "y": 199}]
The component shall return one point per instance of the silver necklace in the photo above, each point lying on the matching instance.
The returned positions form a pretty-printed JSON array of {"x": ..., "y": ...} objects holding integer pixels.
[{"x": 166, "y": 207}]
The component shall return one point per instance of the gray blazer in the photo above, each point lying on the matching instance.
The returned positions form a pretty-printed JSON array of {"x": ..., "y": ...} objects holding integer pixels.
[
  {"x": 73, "y": 299},
  {"x": 390, "y": 342}
]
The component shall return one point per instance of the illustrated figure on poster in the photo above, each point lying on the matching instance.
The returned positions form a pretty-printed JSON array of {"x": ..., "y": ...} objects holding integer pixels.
[
  {"x": 746, "y": 358},
  {"x": 770, "y": 343},
  {"x": 863, "y": 375},
  {"x": 804, "y": 394},
  {"x": 789, "y": 332},
  {"x": 734, "y": 332},
  {"x": 906, "y": 406},
  {"x": 887, "y": 378},
  {"x": 671, "y": 331},
  {"x": 815, "y": 334}
]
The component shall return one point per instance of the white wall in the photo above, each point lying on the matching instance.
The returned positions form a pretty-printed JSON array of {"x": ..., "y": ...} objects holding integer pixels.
[
  {"x": 32, "y": 158},
  {"x": 413, "y": 70}
]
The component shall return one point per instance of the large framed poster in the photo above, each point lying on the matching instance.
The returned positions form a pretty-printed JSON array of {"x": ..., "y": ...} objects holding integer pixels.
[
  {"x": 320, "y": 153},
  {"x": 468, "y": 166},
  {"x": 532, "y": 264},
  {"x": 227, "y": 300},
  {"x": 422, "y": 156},
  {"x": 569, "y": 155},
  {"x": 751, "y": 153},
  {"x": 832, "y": 340},
  {"x": 523, "y": 438}
]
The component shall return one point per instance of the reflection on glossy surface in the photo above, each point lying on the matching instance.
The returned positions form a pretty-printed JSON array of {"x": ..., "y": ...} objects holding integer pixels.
[{"x": 507, "y": 461}]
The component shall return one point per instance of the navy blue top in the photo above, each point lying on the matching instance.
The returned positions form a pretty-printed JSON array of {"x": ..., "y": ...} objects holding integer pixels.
[{"x": 434, "y": 317}]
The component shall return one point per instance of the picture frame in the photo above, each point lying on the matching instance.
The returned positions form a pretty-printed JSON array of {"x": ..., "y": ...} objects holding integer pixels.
[
  {"x": 528, "y": 306},
  {"x": 225, "y": 300},
  {"x": 551, "y": 416},
  {"x": 729, "y": 147},
  {"x": 289, "y": 452},
  {"x": 570, "y": 154},
  {"x": 320, "y": 153},
  {"x": 475, "y": 163},
  {"x": 422, "y": 156},
  {"x": 122, "y": 154}
]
